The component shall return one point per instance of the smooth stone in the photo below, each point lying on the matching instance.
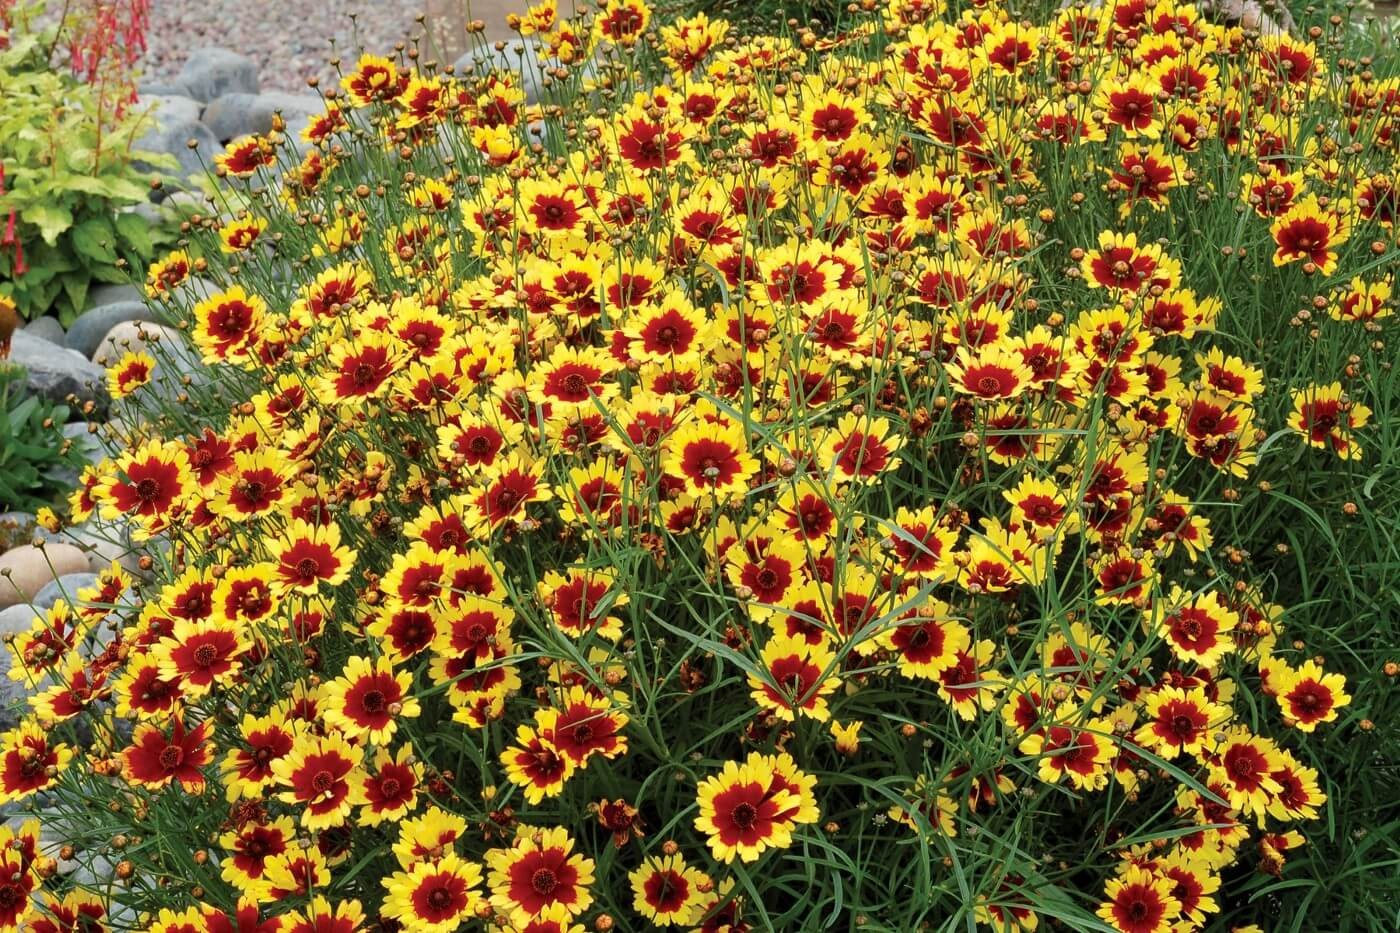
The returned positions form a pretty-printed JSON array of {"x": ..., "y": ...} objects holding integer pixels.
[
  {"x": 110, "y": 294},
  {"x": 103, "y": 543},
  {"x": 16, "y": 619},
  {"x": 212, "y": 72},
  {"x": 65, "y": 588},
  {"x": 235, "y": 115},
  {"x": 55, "y": 372},
  {"x": 46, "y": 328},
  {"x": 25, "y": 570},
  {"x": 88, "y": 330},
  {"x": 173, "y": 124}
]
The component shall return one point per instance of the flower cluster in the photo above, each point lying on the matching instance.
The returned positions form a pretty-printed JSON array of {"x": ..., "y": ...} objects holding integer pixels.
[{"x": 821, "y": 449}]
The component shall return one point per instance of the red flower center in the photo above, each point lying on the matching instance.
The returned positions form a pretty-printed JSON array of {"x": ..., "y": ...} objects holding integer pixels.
[
  {"x": 544, "y": 882},
  {"x": 171, "y": 757},
  {"x": 373, "y": 701},
  {"x": 745, "y": 815}
]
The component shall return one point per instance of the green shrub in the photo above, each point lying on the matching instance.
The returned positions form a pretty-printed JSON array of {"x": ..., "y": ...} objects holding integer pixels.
[{"x": 68, "y": 166}]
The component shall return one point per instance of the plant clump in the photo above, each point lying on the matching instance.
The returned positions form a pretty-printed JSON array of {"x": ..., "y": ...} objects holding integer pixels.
[{"x": 765, "y": 483}]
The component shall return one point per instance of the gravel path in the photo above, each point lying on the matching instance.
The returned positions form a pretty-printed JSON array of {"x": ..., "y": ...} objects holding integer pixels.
[{"x": 290, "y": 39}]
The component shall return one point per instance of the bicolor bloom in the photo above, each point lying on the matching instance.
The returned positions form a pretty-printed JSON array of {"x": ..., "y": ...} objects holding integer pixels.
[{"x": 541, "y": 870}]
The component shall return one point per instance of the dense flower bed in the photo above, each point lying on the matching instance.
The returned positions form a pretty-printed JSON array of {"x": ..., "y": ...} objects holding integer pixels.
[{"x": 803, "y": 491}]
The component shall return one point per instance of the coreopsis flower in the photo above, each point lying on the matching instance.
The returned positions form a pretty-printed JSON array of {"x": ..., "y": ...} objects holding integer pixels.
[
  {"x": 1308, "y": 232},
  {"x": 580, "y": 602},
  {"x": 1327, "y": 419},
  {"x": 749, "y": 808},
  {"x": 368, "y": 699},
  {"x": 539, "y": 871},
  {"x": 77, "y": 910},
  {"x": 243, "y": 157},
  {"x": 991, "y": 372},
  {"x": 228, "y": 325},
  {"x": 390, "y": 786},
  {"x": 1195, "y": 628},
  {"x": 929, "y": 641},
  {"x": 29, "y": 761},
  {"x": 322, "y": 775},
  {"x": 1179, "y": 720},
  {"x": 666, "y": 891},
  {"x": 1140, "y": 901},
  {"x": 922, "y": 544},
  {"x": 535, "y": 765},
  {"x": 1361, "y": 300},
  {"x": 1120, "y": 265},
  {"x": 263, "y": 740},
  {"x": 796, "y": 679},
  {"x": 1131, "y": 105},
  {"x": 1308, "y": 696},
  {"x": 168, "y": 920},
  {"x": 435, "y": 897},
  {"x": 130, "y": 373},
  {"x": 859, "y": 449},
  {"x": 150, "y": 484},
  {"x": 504, "y": 497},
  {"x": 374, "y": 78},
  {"x": 321, "y": 916},
  {"x": 971, "y": 683},
  {"x": 581, "y": 724},
  {"x": 201, "y": 655},
  {"x": 155, "y": 759},
  {"x": 311, "y": 556},
  {"x": 167, "y": 273},
  {"x": 1080, "y": 755},
  {"x": 710, "y": 459},
  {"x": 1243, "y": 765},
  {"x": 245, "y": 596},
  {"x": 427, "y": 836}
]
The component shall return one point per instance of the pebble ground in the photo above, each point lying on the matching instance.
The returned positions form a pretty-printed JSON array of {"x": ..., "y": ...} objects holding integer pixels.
[{"x": 291, "y": 39}]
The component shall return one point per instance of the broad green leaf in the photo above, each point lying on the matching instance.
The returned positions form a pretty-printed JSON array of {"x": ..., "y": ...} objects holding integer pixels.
[{"x": 51, "y": 219}]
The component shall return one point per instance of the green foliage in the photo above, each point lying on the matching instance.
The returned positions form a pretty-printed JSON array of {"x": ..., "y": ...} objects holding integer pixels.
[
  {"x": 70, "y": 167},
  {"x": 32, "y": 445}
]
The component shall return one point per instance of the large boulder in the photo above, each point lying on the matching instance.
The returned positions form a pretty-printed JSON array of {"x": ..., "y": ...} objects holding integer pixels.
[
  {"x": 172, "y": 124},
  {"x": 235, "y": 115},
  {"x": 26, "y": 570},
  {"x": 210, "y": 73},
  {"x": 110, "y": 294},
  {"x": 175, "y": 358},
  {"x": 65, "y": 588},
  {"x": 46, "y": 328},
  {"x": 88, "y": 330},
  {"x": 55, "y": 372}
]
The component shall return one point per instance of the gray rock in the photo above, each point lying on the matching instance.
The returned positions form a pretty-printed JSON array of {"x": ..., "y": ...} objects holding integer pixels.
[
  {"x": 46, "y": 328},
  {"x": 210, "y": 73},
  {"x": 235, "y": 115},
  {"x": 175, "y": 358},
  {"x": 100, "y": 295},
  {"x": 172, "y": 123},
  {"x": 55, "y": 372},
  {"x": 15, "y": 619},
  {"x": 172, "y": 108},
  {"x": 65, "y": 588},
  {"x": 159, "y": 89},
  {"x": 88, "y": 330},
  {"x": 103, "y": 542}
]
